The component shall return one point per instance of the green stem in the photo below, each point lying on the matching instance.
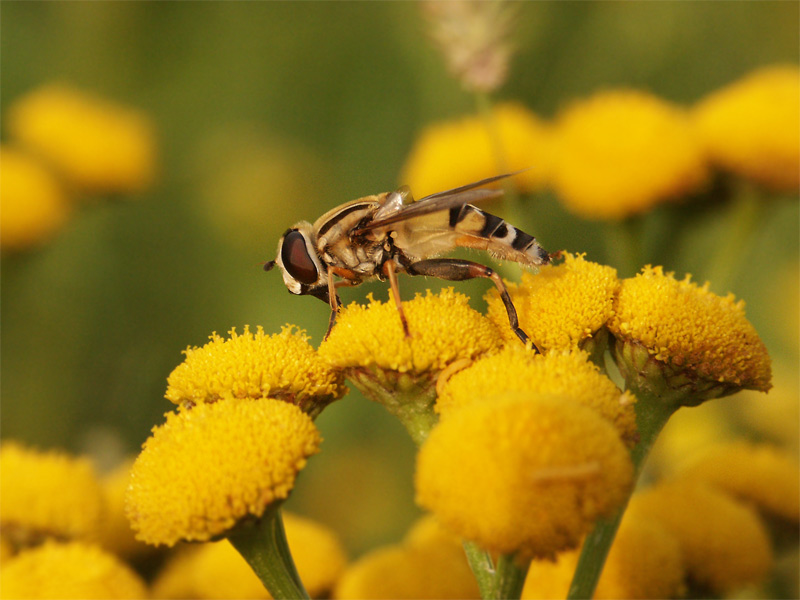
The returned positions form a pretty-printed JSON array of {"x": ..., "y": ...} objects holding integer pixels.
[
  {"x": 747, "y": 212},
  {"x": 482, "y": 565},
  {"x": 652, "y": 413},
  {"x": 263, "y": 545},
  {"x": 501, "y": 581}
]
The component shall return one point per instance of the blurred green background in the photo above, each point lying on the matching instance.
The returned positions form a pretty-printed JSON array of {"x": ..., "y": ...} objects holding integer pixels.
[{"x": 268, "y": 113}]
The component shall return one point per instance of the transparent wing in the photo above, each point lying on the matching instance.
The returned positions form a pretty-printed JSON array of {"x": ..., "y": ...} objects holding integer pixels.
[{"x": 440, "y": 201}]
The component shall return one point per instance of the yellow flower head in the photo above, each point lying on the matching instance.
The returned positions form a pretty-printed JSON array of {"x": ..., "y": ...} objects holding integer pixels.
[
  {"x": 207, "y": 468},
  {"x": 97, "y": 145},
  {"x": 622, "y": 152},
  {"x": 724, "y": 543},
  {"x": 644, "y": 562},
  {"x": 515, "y": 369},
  {"x": 562, "y": 307},
  {"x": 429, "y": 563},
  {"x": 452, "y": 153},
  {"x": 760, "y": 474},
  {"x": 34, "y": 207},
  {"x": 47, "y": 494},
  {"x": 704, "y": 338},
  {"x": 217, "y": 570},
  {"x": 116, "y": 534},
  {"x": 74, "y": 570},
  {"x": 256, "y": 365},
  {"x": 752, "y": 127},
  {"x": 523, "y": 473}
]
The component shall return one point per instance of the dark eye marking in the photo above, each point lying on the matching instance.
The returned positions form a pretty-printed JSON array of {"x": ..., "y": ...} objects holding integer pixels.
[{"x": 296, "y": 259}]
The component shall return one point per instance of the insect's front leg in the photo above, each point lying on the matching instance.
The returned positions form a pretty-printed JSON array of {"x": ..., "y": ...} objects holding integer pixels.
[
  {"x": 333, "y": 300},
  {"x": 453, "y": 269},
  {"x": 390, "y": 270}
]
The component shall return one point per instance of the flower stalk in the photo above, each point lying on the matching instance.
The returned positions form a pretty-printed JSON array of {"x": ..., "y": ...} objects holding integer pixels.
[{"x": 262, "y": 543}]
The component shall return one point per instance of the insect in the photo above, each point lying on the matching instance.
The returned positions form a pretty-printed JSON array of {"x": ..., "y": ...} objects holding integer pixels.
[{"x": 378, "y": 236}]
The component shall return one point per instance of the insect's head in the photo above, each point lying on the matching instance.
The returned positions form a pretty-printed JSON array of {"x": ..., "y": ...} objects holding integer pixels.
[{"x": 303, "y": 272}]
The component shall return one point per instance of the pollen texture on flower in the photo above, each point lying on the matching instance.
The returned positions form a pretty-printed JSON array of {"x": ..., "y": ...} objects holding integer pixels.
[
  {"x": 256, "y": 365},
  {"x": 206, "y": 468},
  {"x": 561, "y": 306},
  {"x": 443, "y": 328},
  {"x": 692, "y": 329},
  {"x": 516, "y": 369},
  {"x": 523, "y": 474},
  {"x": 652, "y": 138}
]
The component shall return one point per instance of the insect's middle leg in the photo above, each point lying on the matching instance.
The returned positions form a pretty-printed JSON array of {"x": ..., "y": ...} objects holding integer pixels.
[
  {"x": 453, "y": 269},
  {"x": 390, "y": 270}
]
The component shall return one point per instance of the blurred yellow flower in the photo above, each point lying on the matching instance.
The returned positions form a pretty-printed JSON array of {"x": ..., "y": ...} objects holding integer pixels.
[
  {"x": 562, "y": 307},
  {"x": 256, "y": 365},
  {"x": 33, "y": 206},
  {"x": 622, "y": 152},
  {"x": 452, "y": 153},
  {"x": 644, "y": 562},
  {"x": 74, "y": 570},
  {"x": 47, "y": 495},
  {"x": 752, "y": 127},
  {"x": 97, "y": 145},
  {"x": 516, "y": 369},
  {"x": 724, "y": 543},
  {"x": 429, "y": 563},
  {"x": 705, "y": 339},
  {"x": 523, "y": 473},
  {"x": 208, "y": 467},
  {"x": 217, "y": 570},
  {"x": 760, "y": 474}
]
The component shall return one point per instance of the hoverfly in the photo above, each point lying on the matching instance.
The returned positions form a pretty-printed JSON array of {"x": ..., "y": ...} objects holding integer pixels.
[{"x": 378, "y": 236}]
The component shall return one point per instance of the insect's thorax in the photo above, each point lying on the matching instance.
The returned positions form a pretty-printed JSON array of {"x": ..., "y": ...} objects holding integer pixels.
[{"x": 363, "y": 255}]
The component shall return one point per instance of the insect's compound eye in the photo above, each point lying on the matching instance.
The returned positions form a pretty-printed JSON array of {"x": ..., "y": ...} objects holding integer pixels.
[{"x": 296, "y": 260}]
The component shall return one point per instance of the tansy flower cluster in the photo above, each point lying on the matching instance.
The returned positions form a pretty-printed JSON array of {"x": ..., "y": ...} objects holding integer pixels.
[
  {"x": 65, "y": 145},
  {"x": 621, "y": 152}
]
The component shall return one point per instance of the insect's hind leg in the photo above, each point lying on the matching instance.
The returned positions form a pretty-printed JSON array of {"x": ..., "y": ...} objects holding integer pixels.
[{"x": 453, "y": 269}]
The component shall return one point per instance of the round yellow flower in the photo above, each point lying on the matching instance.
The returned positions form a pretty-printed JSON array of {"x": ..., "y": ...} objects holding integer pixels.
[
  {"x": 443, "y": 329},
  {"x": 622, "y": 152},
  {"x": 211, "y": 466},
  {"x": 704, "y": 338},
  {"x": 47, "y": 494},
  {"x": 752, "y": 127},
  {"x": 515, "y": 369},
  {"x": 449, "y": 154},
  {"x": 562, "y": 307},
  {"x": 34, "y": 207},
  {"x": 724, "y": 543},
  {"x": 256, "y": 365},
  {"x": 523, "y": 473},
  {"x": 644, "y": 562},
  {"x": 430, "y": 563},
  {"x": 217, "y": 570},
  {"x": 75, "y": 570},
  {"x": 760, "y": 474}
]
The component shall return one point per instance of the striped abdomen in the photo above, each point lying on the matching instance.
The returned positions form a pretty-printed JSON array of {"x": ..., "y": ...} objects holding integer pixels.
[{"x": 483, "y": 231}]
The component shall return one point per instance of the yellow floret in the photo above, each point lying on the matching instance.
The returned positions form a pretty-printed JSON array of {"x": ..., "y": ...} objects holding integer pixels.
[
  {"x": 34, "y": 205},
  {"x": 516, "y": 369},
  {"x": 562, "y": 306},
  {"x": 622, "y": 152},
  {"x": 691, "y": 329},
  {"x": 430, "y": 563},
  {"x": 752, "y": 127},
  {"x": 208, "y": 467},
  {"x": 97, "y": 145},
  {"x": 724, "y": 544},
  {"x": 761, "y": 474},
  {"x": 47, "y": 494},
  {"x": 523, "y": 474},
  {"x": 443, "y": 329},
  {"x": 447, "y": 155},
  {"x": 256, "y": 365},
  {"x": 75, "y": 570},
  {"x": 644, "y": 562}
]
